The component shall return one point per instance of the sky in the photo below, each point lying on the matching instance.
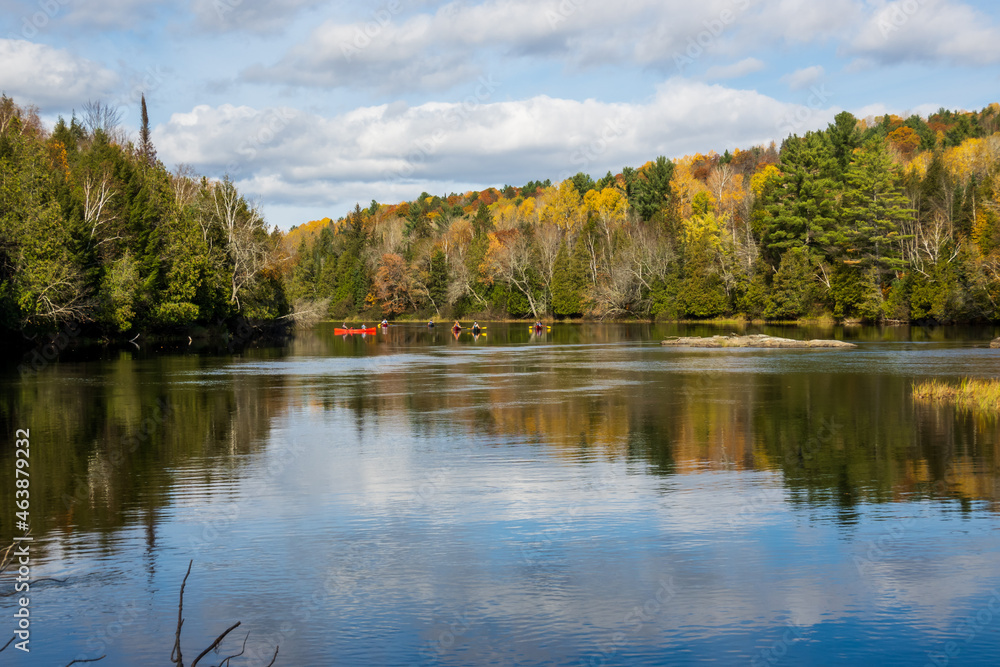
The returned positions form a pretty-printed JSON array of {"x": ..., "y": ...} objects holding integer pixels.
[{"x": 312, "y": 106}]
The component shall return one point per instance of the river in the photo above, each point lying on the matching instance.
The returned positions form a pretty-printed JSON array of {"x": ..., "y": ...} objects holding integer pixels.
[{"x": 579, "y": 497}]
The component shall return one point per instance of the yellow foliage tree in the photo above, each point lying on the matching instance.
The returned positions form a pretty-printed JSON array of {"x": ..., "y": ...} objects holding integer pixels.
[
  {"x": 564, "y": 209},
  {"x": 760, "y": 181}
]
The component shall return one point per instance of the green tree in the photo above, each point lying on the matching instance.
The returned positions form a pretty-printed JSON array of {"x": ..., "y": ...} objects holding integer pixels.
[
  {"x": 791, "y": 287},
  {"x": 146, "y": 150},
  {"x": 873, "y": 208},
  {"x": 800, "y": 211},
  {"x": 437, "y": 280},
  {"x": 482, "y": 224},
  {"x": 648, "y": 189},
  {"x": 569, "y": 281}
]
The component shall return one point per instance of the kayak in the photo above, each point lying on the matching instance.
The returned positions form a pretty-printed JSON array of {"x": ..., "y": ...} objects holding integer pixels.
[{"x": 341, "y": 332}]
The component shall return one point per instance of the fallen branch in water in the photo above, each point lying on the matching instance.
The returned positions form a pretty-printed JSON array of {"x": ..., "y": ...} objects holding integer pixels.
[
  {"x": 176, "y": 656},
  {"x": 87, "y": 660}
]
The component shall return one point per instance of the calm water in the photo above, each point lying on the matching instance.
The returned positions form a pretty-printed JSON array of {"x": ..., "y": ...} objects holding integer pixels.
[{"x": 583, "y": 497}]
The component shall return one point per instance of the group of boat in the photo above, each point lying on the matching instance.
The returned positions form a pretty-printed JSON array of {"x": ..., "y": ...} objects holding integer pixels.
[{"x": 456, "y": 328}]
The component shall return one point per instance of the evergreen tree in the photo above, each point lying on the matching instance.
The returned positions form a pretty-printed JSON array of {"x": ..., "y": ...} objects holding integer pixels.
[
  {"x": 146, "y": 149},
  {"x": 844, "y": 137},
  {"x": 800, "y": 210},
  {"x": 583, "y": 183},
  {"x": 649, "y": 190},
  {"x": 873, "y": 208},
  {"x": 569, "y": 281},
  {"x": 437, "y": 280},
  {"x": 790, "y": 290},
  {"x": 483, "y": 222}
]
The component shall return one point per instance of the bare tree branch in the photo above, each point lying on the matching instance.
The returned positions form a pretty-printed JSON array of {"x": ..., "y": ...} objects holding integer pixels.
[
  {"x": 225, "y": 661},
  {"x": 215, "y": 643},
  {"x": 86, "y": 660},
  {"x": 175, "y": 654}
]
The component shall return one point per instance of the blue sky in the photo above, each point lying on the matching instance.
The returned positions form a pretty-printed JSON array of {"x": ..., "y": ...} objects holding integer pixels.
[{"x": 312, "y": 106}]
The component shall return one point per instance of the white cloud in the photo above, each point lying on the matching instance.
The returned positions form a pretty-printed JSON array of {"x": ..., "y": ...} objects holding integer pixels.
[
  {"x": 49, "y": 77},
  {"x": 438, "y": 49},
  {"x": 395, "y": 151},
  {"x": 805, "y": 77},
  {"x": 735, "y": 70},
  {"x": 938, "y": 31}
]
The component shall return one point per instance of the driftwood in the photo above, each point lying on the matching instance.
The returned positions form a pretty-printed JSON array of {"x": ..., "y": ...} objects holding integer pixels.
[
  {"x": 177, "y": 657},
  {"x": 755, "y": 340}
]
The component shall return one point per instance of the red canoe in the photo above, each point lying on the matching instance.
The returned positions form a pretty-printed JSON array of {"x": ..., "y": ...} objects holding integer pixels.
[{"x": 340, "y": 332}]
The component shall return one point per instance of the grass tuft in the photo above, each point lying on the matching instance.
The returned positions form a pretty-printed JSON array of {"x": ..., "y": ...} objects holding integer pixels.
[{"x": 969, "y": 394}]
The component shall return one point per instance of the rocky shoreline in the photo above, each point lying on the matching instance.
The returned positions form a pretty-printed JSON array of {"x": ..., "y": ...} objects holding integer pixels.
[{"x": 755, "y": 340}]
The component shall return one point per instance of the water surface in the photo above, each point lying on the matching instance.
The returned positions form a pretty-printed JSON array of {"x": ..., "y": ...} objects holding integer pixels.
[{"x": 583, "y": 496}]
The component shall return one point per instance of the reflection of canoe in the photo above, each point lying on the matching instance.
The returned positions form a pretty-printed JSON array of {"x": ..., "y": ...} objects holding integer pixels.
[{"x": 340, "y": 332}]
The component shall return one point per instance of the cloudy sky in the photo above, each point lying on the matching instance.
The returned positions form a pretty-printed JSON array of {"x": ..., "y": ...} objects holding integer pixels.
[{"x": 313, "y": 105}]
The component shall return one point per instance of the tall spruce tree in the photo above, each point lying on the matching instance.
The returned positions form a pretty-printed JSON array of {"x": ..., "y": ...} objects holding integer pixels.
[{"x": 146, "y": 149}]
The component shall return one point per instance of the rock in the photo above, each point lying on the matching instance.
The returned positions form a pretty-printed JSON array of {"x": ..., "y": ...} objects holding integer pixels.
[
  {"x": 995, "y": 342},
  {"x": 757, "y": 340}
]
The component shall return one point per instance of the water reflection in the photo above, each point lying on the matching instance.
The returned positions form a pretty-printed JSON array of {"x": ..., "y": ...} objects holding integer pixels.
[{"x": 580, "y": 497}]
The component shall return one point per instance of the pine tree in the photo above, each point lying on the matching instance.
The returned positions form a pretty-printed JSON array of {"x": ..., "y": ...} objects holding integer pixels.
[
  {"x": 873, "y": 207},
  {"x": 800, "y": 210},
  {"x": 569, "y": 281},
  {"x": 437, "y": 280},
  {"x": 483, "y": 222},
  {"x": 789, "y": 297},
  {"x": 146, "y": 149},
  {"x": 649, "y": 190}
]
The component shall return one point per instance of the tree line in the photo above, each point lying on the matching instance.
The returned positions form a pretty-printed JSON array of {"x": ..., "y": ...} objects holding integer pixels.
[
  {"x": 878, "y": 219},
  {"x": 94, "y": 231}
]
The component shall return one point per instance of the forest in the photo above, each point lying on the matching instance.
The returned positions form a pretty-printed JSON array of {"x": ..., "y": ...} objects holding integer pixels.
[
  {"x": 883, "y": 219},
  {"x": 876, "y": 220},
  {"x": 97, "y": 235}
]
